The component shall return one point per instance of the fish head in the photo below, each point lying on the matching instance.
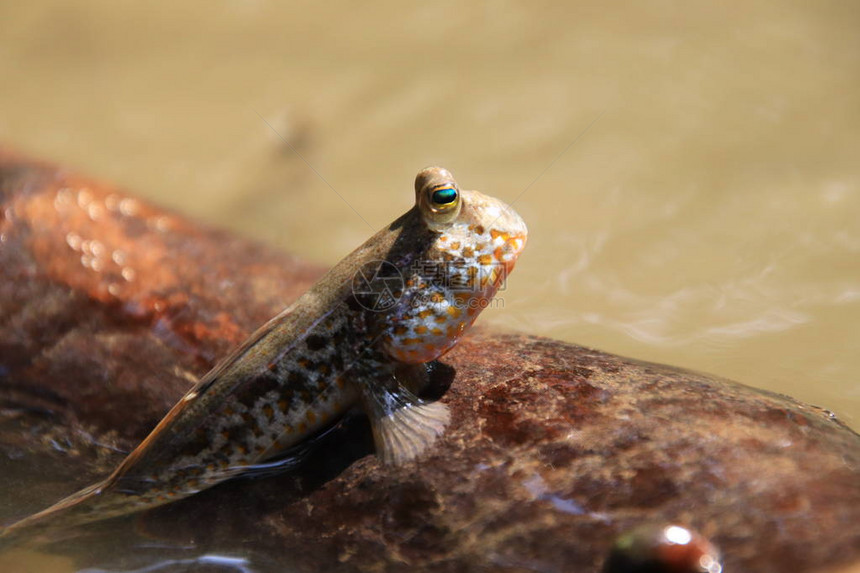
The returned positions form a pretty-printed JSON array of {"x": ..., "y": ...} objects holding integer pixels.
[
  {"x": 475, "y": 231},
  {"x": 475, "y": 242}
]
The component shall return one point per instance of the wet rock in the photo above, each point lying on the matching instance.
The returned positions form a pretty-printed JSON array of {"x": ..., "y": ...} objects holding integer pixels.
[
  {"x": 553, "y": 450},
  {"x": 117, "y": 302}
]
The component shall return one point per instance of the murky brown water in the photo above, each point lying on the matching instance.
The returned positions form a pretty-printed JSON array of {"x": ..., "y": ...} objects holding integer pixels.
[{"x": 690, "y": 176}]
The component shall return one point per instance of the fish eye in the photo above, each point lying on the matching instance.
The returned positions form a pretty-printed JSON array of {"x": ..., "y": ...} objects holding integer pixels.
[
  {"x": 444, "y": 197},
  {"x": 437, "y": 196}
]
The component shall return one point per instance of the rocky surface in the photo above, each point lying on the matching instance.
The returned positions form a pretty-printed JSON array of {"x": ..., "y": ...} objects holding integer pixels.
[{"x": 110, "y": 307}]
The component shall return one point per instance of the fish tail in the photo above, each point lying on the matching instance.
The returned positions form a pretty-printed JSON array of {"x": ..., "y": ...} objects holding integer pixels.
[{"x": 89, "y": 504}]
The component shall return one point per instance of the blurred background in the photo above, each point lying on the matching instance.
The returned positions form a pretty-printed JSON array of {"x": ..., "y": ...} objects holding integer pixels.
[{"x": 689, "y": 172}]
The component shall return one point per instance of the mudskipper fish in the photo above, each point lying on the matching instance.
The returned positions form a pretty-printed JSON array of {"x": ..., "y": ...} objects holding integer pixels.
[{"x": 359, "y": 336}]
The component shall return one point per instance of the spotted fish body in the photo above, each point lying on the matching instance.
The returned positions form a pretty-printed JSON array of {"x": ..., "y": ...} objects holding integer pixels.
[{"x": 359, "y": 336}]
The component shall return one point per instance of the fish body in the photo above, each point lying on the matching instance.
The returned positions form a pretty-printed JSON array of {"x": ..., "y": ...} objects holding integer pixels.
[{"x": 360, "y": 336}]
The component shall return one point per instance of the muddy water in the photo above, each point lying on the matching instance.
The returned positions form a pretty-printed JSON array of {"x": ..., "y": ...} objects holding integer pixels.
[{"x": 690, "y": 175}]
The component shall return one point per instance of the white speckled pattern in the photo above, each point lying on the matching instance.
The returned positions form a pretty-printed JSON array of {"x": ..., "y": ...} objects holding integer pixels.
[{"x": 441, "y": 300}]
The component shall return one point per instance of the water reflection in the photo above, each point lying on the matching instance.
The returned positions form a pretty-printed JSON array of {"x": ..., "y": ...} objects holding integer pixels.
[{"x": 209, "y": 563}]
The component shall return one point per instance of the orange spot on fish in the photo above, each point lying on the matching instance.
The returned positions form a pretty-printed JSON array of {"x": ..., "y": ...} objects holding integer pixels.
[
  {"x": 437, "y": 297},
  {"x": 485, "y": 259},
  {"x": 420, "y": 329},
  {"x": 479, "y": 229},
  {"x": 455, "y": 245},
  {"x": 454, "y": 311},
  {"x": 311, "y": 416},
  {"x": 436, "y": 331},
  {"x": 425, "y": 313}
]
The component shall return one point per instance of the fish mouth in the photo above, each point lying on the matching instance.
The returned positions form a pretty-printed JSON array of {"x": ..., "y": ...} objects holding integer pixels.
[
  {"x": 516, "y": 227},
  {"x": 517, "y": 243}
]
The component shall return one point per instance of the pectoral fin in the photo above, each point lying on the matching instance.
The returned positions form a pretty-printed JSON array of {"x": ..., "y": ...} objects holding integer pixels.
[{"x": 403, "y": 424}]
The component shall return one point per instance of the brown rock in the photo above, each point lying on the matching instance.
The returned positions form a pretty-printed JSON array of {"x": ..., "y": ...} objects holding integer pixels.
[
  {"x": 553, "y": 449},
  {"x": 116, "y": 302}
]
